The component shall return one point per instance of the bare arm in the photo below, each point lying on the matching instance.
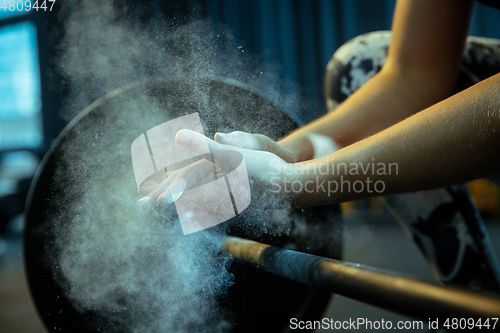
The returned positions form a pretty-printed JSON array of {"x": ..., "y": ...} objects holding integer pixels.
[
  {"x": 451, "y": 142},
  {"x": 421, "y": 69}
]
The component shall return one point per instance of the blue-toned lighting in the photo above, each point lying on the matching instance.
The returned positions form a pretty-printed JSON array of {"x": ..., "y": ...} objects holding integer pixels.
[{"x": 20, "y": 102}]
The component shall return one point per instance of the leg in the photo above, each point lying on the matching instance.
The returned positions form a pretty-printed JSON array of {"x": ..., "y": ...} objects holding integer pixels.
[{"x": 353, "y": 64}]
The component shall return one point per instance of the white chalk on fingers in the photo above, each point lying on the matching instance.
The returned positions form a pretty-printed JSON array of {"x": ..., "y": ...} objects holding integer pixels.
[
  {"x": 238, "y": 139},
  {"x": 222, "y": 138},
  {"x": 195, "y": 143},
  {"x": 245, "y": 140},
  {"x": 146, "y": 203},
  {"x": 184, "y": 137},
  {"x": 173, "y": 193}
]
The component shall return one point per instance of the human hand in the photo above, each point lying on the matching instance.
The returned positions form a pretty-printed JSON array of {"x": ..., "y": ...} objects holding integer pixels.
[{"x": 263, "y": 168}]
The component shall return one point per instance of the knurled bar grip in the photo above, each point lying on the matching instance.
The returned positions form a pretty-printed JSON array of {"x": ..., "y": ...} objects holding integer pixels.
[{"x": 404, "y": 295}]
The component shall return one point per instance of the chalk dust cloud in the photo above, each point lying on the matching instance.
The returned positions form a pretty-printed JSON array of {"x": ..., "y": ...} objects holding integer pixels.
[{"x": 136, "y": 267}]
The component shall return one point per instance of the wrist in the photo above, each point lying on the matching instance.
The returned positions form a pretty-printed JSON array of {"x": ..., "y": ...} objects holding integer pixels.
[
  {"x": 300, "y": 188},
  {"x": 297, "y": 149},
  {"x": 284, "y": 183}
]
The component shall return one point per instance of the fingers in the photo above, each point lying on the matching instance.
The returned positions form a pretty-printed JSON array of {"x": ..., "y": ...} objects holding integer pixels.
[
  {"x": 148, "y": 187},
  {"x": 248, "y": 141},
  {"x": 159, "y": 189},
  {"x": 178, "y": 181},
  {"x": 198, "y": 173},
  {"x": 152, "y": 189},
  {"x": 195, "y": 142},
  {"x": 255, "y": 142},
  {"x": 243, "y": 140},
  {"x": 193, "y": 175},
  {"x": 153, "y": 194}
]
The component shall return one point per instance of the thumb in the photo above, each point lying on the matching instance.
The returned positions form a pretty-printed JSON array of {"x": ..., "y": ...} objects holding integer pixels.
[
  {"x": 244, "y": 140},
  {"x": 192, "y": 141},
  {"x": 197, "y": 143},
  {"x": 255, "y": 142}
]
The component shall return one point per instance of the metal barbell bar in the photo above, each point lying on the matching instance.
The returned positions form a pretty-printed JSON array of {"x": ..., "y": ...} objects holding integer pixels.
[{"x": 390, "y": 291}]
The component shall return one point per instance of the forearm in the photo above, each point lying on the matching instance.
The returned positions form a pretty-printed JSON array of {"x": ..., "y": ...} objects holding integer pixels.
[
  {"x": 421, "y": 68},
  {"x": 389, "y": 97},
  {"x": 451, "y": 142}
]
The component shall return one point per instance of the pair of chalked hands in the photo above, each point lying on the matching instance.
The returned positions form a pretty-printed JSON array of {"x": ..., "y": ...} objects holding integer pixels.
[{"x": 266, "y": 163}]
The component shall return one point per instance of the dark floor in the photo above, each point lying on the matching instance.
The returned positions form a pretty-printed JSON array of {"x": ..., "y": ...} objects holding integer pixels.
[
  {"x": 385, "y": 245},
  {"x": 17, "y": 313},
  {"x": 381, "y": 244}
]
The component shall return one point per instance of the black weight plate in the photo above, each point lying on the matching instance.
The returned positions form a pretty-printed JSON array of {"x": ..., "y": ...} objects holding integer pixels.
[{"x": 257, "y": 300}]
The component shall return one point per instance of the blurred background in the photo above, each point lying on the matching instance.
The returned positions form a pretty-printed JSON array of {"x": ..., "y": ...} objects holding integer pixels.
[{"x": 293, "y": 39}]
